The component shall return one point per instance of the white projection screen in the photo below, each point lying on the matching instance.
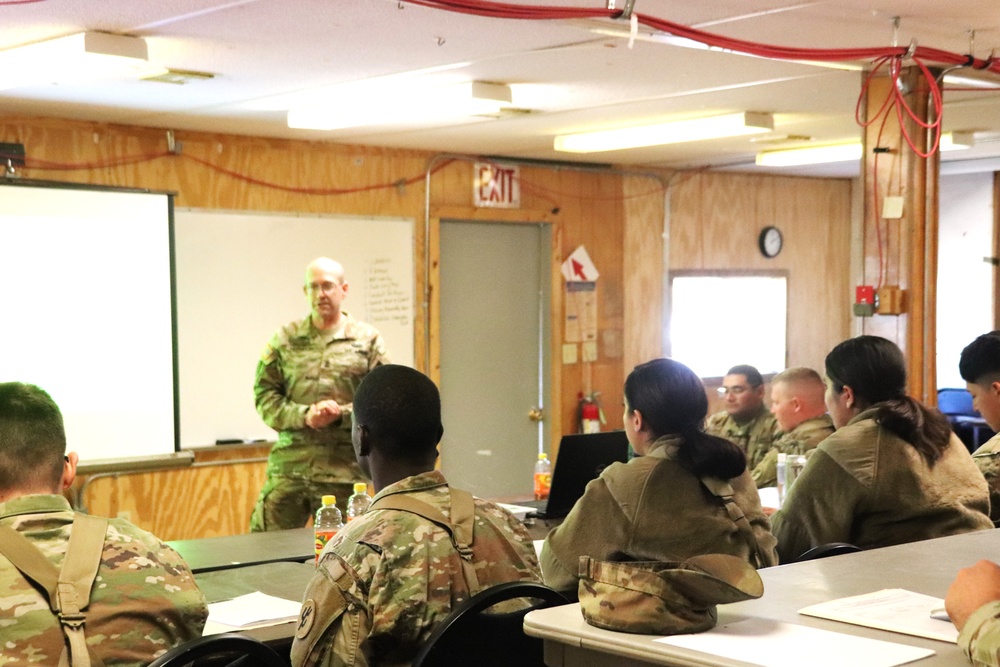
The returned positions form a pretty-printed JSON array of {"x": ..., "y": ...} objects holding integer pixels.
[{"x": 86, "y": 312}]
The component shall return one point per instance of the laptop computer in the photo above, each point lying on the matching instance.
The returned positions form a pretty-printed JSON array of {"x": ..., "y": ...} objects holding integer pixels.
[{"x": 582, "y": 457}]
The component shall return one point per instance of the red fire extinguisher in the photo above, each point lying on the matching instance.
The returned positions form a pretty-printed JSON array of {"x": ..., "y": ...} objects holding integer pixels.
[{"x": 591, "y": 416}]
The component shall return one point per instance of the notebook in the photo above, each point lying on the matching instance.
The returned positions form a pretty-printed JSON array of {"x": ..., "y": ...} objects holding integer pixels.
[{"x": 582, "y": 457}]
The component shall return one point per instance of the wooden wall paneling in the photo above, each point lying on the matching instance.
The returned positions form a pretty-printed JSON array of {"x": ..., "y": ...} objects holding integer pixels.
[{"x": 643, "y": 268}]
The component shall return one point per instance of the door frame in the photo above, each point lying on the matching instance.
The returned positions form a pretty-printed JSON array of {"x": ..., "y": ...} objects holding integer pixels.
[{"x": 553, "y": 416}]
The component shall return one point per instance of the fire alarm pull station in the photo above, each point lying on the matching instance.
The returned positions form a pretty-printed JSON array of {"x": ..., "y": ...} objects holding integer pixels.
[{"x": 864, "y": 301}]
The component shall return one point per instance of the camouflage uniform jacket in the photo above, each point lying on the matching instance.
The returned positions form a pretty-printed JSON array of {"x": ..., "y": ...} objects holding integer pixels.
[
  {"x": 799, "y": 441},
  {"x": 300, "y": 366},
  {"x": 753, "y": 436},
  {"x": 987, "y": 457},
  {"x": 651, "y": 508},
  {"x": 144, "y": 600},
  {"x": 388, "y": 577},
  {"x": 980, "y": 636},
  {"x": 869, "y": 487}
]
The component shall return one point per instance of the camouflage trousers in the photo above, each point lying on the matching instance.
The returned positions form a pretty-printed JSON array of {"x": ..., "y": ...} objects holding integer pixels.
[{"x": 289, "y": 502}]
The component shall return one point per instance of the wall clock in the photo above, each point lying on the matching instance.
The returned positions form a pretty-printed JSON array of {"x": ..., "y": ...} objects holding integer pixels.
[{"x": 770, "y": 241}]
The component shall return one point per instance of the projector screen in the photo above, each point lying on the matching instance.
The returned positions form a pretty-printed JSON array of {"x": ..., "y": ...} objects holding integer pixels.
[{"x": 86, "y": 312}]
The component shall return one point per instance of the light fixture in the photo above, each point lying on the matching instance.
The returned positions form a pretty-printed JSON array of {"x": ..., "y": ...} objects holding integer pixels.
[
  {"x": 958, "y": 140},
  {"x": 657, "y": 134},
  {"x": 409, "y": 106},
  {"x": 793, "y": 157},
  {"x": 810, "y": 155},
  {"x": 84, "y": 56}
]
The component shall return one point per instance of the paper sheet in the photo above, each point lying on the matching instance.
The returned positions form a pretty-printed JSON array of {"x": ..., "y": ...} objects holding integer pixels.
[
  {"x": 774, "y": 644},
  {"x": 892, "y": 609},
  {"x": 253, "y": 610}
]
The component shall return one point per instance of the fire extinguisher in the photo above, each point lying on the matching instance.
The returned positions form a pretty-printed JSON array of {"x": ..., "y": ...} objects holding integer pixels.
[{"x": 591, "y": 415}]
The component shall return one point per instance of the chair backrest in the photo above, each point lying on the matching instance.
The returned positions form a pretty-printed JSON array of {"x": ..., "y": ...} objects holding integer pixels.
[
  {"x": 956, "y": 402},
  {"x": 471, "y": 636},
  {"x": 827, "y": 550},
  {"x": 227, "y": 650}
]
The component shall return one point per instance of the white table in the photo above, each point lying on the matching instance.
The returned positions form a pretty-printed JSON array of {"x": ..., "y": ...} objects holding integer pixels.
[{"x": 925, "y": 567}]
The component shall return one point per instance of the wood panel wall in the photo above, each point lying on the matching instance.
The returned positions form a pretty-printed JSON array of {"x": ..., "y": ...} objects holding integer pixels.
[{"x": 619, "y": 217}]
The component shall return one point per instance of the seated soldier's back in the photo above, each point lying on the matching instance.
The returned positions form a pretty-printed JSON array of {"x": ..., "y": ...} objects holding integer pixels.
[{"x": 143, "y": 601}]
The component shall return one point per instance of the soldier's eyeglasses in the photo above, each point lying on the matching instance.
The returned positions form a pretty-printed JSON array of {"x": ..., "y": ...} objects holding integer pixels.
[
  {"x": 735, "y": 391},
  {"x": 326, "y": 288}
]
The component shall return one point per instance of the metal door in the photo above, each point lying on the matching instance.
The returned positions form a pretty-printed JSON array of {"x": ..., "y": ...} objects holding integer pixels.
[{"x": 495, "y": 332}]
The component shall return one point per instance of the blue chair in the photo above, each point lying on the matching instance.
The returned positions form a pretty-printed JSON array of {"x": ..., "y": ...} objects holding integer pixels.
[{"x": 956, "y": 405}]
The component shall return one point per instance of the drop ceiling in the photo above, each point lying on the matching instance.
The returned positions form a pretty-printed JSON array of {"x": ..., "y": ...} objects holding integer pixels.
[{"x": 269, "y": 56}]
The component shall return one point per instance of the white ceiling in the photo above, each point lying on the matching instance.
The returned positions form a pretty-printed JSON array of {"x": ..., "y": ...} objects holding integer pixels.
[{"x": 272, "y": 55}]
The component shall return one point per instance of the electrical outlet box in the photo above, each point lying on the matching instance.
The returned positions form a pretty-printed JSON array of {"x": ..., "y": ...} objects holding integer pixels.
[{"x": 892, "y": 208}]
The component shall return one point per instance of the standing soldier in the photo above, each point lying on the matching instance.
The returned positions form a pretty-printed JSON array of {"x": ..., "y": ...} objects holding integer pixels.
[
  {"x": 746, "y": 420},
  {"x": 304, "y": 389}
]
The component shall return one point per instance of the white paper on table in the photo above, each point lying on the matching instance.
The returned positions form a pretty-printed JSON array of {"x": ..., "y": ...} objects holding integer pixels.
[
  {"x": 775, "y": 644},
  {"x": 520, "y": 512},
  {"x": 892, "y": 609},
  {"x": 253, "y": 610}
]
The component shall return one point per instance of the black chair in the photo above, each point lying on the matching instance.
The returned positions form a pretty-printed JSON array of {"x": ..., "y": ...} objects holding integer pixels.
[
  {"x": 228, "y": 650},
  {"x": 827, "y": 550},
  {"x": 468, "y": 636}
]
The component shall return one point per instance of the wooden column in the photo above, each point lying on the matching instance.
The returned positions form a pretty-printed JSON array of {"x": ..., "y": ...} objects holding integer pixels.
[{"x": 905, "y": 247}]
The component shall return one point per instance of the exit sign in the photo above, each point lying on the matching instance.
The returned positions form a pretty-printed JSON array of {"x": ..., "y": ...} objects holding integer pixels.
[{"x": 496, "y": 186}]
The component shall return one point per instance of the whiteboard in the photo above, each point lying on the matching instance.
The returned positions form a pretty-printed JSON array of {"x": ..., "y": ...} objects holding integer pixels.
[
  {"x": 85, "y": 312},
  {"x": 239, "y": 279}
]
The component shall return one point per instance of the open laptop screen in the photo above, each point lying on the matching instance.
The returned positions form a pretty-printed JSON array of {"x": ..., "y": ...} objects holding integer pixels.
[{"x": 582, "y": 457}]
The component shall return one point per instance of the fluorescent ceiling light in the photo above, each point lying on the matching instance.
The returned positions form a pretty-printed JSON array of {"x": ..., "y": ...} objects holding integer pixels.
[
  {"x": 658, "y": 134},
  {"x": 407, "y": 106},
  {"x": 791, "y": 157},
  {"x": 956, "y": 141},
  {"x": 810, "y": 155},
  {"x": 85, "y": 56}
]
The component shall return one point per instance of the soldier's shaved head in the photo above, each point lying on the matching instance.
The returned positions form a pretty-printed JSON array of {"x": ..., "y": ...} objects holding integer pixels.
[
  {"x": 32, "y": 440},
  {"x": 325, "y": 265},
  {"x": 400, "y": 408},
  {"x": 797, "y": 396}
]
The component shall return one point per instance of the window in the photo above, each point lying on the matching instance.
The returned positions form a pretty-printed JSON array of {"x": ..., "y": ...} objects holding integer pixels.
[{"x": 719, "y": 320}]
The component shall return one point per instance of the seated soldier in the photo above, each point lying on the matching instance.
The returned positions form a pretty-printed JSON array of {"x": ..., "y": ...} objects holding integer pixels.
[
  {"x": 145, "y": 600},
  {"x": 973, "y": 604},
  {"x": 386, "y": 579},
  {"x": 979, "y": 366},
  {"x": 798, "y": 406},
  {"x": 746, "y": 420}
]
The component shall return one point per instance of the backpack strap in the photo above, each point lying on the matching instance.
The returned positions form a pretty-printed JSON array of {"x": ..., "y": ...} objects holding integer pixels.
[
  {"x": 67, "y": 589},
  {"x": 459, "y": 528},
  {"x": 723, "y": 490}
]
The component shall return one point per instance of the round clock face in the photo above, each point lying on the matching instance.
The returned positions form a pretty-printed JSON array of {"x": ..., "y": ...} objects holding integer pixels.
[{"x": 770, "y": 241}]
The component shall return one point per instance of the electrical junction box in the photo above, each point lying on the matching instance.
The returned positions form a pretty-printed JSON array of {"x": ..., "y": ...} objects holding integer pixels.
[{"x": 890, "y": 300}]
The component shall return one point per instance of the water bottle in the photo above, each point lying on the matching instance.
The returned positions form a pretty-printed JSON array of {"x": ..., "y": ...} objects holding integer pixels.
[
  {"x": 328, "y": 522},
  {"x": 795, "y": 465},
  {"x": 359, "y": 502},
  {"x": 543, "y": 476},
  {"x": 782, "y": 476}
]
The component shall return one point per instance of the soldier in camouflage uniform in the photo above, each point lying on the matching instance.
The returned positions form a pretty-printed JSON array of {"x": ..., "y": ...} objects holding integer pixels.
[
  {"x": 979, "y": 366},
  {"x": 798, "y": 407},
  {"x": 304, "y": 389},
  {"x": 388, "y": 577},
  {"x": 973, "y": 604},
  {"x": 746, "y": 420},
  {"x": 144, "y": 600}
]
